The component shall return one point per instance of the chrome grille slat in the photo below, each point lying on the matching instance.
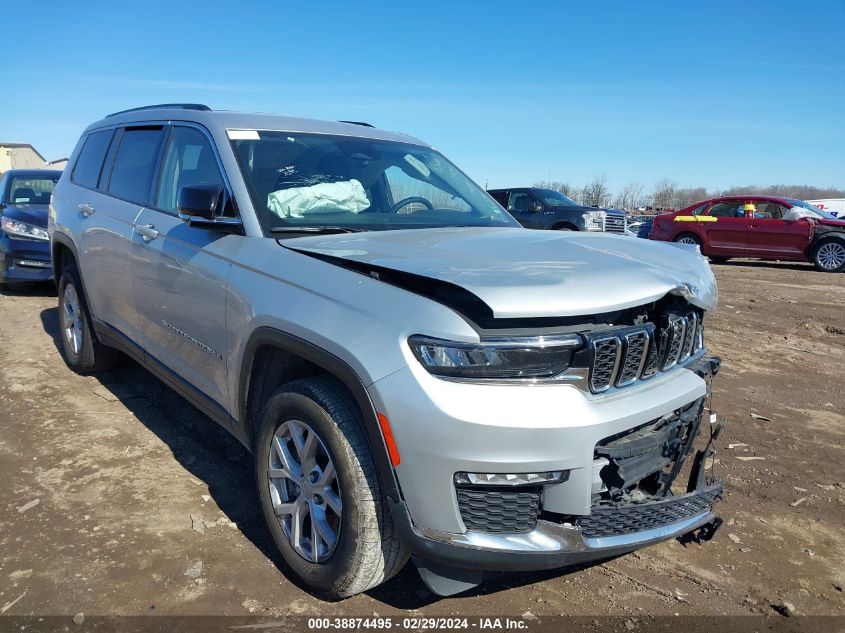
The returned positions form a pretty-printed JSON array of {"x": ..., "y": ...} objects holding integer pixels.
[
  {"x": 615, "y": 224},
  {"x": 689, "y": 335},
  {"x": 606, "y": 353},
  {"x": 636, "y": 348},
  {"x": 675, "y": 341},
  {"x": 622, "y": 356}
]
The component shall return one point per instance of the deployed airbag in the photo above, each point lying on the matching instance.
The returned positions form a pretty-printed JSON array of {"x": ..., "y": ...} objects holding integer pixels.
[{"x": 327, "y": 197}]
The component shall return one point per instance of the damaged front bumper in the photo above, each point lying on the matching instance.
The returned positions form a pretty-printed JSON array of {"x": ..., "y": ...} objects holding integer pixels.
[
  {"x": 634, "y": 505},
  {"x": 550, "y": 545}
]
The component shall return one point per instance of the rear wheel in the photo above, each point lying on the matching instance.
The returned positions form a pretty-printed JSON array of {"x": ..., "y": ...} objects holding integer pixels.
[
  {"x": 82, "y": 352},
  {"x": 320, "y": 490},
  {"x": 829, "y": 255},
  {"x": 687, "y": 238}
]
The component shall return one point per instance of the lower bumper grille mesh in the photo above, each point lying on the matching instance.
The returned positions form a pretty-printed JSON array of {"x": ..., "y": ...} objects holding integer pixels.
[
  {"x": 613, "y": 519},
  {"x": 498, "y": 510}
]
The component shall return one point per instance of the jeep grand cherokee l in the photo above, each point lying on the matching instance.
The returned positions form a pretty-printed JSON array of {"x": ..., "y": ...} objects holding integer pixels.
[{"x": 415, "y": 373}]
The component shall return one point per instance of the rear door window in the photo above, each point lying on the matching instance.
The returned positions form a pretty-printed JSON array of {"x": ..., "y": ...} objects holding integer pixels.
[
  {"x": 86, "y": 172},
  {"x": 500, "y": 196},
  {"x": 520, "y": 202},
  {"x": 727, "y": 210},
  {"x": 134, "y": 164}
]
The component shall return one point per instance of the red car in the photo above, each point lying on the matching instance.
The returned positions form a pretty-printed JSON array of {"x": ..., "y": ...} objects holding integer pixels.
[{"x": 765, "y": 227}]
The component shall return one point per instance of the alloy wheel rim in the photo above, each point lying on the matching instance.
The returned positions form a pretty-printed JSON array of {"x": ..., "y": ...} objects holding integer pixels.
[
  {"x": 72, "y": 321},
  {"x": 831, "y": 255},
  {"x": 304, "y": 490},
  {"x": 687, "y": 240}
]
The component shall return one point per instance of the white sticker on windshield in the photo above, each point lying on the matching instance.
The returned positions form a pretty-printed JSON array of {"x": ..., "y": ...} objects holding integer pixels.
[{"x": 242, "y": 135}]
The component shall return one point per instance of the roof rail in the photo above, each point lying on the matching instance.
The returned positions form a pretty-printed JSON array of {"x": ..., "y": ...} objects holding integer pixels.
[
  {"x": 357, "y": 123},
  {"x": 164, "y": 106}
]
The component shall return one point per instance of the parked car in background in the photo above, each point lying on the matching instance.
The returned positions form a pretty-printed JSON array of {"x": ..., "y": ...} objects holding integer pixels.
[
  {"x": 374, "y": 327},
  {"x": 644, "y": 228},
  {"x": 24, "y": 242},
  {"x": 764, "y": 227},
  {"x": 634, "y": 223},
  {"x": 536, "y": 208}
]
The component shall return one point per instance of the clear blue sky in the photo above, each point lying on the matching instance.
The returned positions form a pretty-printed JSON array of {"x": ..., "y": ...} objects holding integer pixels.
[{"x": 705, "y": 93}]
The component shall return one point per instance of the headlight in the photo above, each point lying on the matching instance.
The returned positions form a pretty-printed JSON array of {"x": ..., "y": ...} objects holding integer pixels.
[
  {"x": 22, "y": 229},
  {"x": 594, "y": 220},
  {"x": 518, "y": 358}
]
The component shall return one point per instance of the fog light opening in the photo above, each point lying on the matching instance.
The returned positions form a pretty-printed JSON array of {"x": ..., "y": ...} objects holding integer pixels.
[{"x": 511, "y": 479}]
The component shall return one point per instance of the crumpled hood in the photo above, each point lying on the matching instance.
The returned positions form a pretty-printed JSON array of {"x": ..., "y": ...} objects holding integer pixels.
[
  {"x": 837, "y": 222},
  {"x": 525, "y": 273}
]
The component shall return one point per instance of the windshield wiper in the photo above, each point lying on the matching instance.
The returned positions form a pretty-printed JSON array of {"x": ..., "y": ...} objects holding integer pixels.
[{"x": 315, "y": 230}]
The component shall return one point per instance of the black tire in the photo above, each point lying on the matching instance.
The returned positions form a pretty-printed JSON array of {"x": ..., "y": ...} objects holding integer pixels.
[
  {"x": 367, "y": 550},
  {"x": 688, "y": 236},
  {"x": 825, "y": 253},
  {"x": 91, "y": 356}
]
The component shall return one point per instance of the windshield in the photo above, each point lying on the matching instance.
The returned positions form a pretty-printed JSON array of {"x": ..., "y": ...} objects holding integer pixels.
[
  {"x": 31, "y": 189},
  {"x": 313, "y": 181},
  {"x": 815, "y": 211},
  {"x": 555, "y": 198}
]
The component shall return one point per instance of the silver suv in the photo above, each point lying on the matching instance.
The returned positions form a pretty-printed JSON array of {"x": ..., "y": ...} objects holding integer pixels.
[{"x": 415, "y": 373}]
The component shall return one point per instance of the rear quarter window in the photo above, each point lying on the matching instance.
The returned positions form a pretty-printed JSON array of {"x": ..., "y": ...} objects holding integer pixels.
[
  {"x": 134, "y": 163},
  {"x": 86, "y": 172}
]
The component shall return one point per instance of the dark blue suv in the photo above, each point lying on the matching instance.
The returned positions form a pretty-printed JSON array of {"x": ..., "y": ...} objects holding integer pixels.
[{"x": 24, "y": 242}]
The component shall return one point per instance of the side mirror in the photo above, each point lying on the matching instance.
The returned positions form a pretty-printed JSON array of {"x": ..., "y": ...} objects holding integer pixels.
[
  {"x": 535, "y": 206},
  {"x": 200, "y": 201},
  {"x": 202, "y": 205}
]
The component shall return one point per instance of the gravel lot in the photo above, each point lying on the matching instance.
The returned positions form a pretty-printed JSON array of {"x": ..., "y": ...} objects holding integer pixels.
[{"x": 101, "y": 478}]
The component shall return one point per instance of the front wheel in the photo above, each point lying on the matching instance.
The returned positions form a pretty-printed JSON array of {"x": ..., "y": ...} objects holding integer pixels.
[
  {"x": 829, "y": 255},
  {"x": 82, "y": 352},
  {"x": 320, "y": 491}
]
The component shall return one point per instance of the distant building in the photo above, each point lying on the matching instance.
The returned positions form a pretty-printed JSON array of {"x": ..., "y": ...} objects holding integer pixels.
[
  {"x": 59, "y": 163},
  {"x": 25, "y": 156}
]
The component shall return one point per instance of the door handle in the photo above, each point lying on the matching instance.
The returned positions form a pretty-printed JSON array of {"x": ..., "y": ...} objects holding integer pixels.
[
  {"x": 147, "y": 232},
  {"x": 86, "y": 209}
]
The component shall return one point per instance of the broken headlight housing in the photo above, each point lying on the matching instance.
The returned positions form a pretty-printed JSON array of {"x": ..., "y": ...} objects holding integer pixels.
[{"x": 513, "y": 358}]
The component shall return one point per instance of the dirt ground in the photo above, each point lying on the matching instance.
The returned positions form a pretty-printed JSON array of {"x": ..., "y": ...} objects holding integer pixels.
[{"x": 100, "y": 477}]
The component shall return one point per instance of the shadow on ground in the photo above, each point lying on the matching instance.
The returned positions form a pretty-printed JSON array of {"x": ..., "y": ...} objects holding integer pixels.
[
  {"x": 212, "y": 455},
  {"x": 756, "y": 263},
  {"x": 43, "y": 289}
]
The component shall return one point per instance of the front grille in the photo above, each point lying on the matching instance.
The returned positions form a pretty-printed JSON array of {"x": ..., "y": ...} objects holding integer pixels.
[
  {"x": 615, "y": 518},
  {"x": 615, "y": 223},
  {"x": 497, "y": 510},
  {"x": 636, "y": 347},
  {"x": 605, "y": 360},
  {"x": 621, "y": 356}
]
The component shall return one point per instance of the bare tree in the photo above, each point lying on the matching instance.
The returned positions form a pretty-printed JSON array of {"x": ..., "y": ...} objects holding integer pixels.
[
  {"x": 562, "y": 187},
  {"x": 663, "y": 195},
  {"x": 630, "y": 197},
  {"x": 596, "y": 193},
  {"x": 687, "y": 196}
]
